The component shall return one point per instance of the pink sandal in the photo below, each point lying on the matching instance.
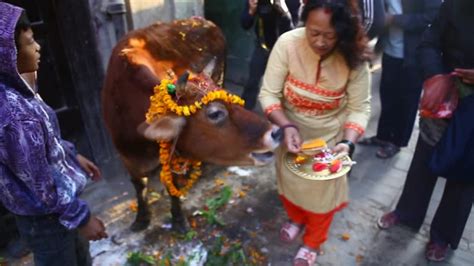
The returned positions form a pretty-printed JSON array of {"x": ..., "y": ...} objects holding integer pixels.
[
  {"x": 289, "y": 231},
  {"x": 305, "y": 257}
]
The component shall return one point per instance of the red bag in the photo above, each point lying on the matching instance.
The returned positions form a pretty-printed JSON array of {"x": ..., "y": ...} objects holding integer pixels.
[{"x": 440, "y": 97}]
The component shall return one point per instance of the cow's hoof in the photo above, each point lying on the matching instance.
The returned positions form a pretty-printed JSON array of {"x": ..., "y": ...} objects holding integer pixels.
[
  {"x": 139, "y": 225},
  {"x": 179, "y": 227}
]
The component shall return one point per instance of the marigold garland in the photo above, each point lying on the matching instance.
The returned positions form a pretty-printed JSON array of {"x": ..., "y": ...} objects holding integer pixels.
[{"x": 162, "y": 103}]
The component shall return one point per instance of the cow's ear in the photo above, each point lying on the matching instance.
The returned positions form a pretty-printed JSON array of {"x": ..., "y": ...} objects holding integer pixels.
[
  {"x": 163, "y": 128},
  {"x": 209, "y": 68}
]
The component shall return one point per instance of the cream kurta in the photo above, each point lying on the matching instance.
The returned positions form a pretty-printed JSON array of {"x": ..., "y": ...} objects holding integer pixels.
[{"x": 322, "y": 98}]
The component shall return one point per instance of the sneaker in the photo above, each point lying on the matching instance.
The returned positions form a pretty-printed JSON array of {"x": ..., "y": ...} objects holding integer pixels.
[
  {"x": 436, "y": 251},
  {"x": 388, "y": 220}
]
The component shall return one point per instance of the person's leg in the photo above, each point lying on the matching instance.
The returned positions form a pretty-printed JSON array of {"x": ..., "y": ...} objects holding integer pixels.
[
  {"x": 317, "y": 229},
  {"x": 408, "y": 98},
  {"x": 291, "y": 229},
  {"x": 389, "y": 93},
  {"x": 51, "y": 243},
  {"x": 256, "y": 70},
  {"x": 453, "y": 211},
  {"x": 418, "y": 188},
  {"x": 83, "y": 254}
]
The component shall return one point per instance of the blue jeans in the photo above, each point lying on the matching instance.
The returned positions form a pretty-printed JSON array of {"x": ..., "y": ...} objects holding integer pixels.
[{"x": 53, "y": 244}]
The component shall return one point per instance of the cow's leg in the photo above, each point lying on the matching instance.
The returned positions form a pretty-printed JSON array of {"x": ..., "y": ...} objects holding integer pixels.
[
  {"x": 142, "y": 220},
  {"x": 178, "y": 221}
]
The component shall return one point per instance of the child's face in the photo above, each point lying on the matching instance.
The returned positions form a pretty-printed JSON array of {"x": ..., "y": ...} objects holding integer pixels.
[{"x": 28, "y": 52}]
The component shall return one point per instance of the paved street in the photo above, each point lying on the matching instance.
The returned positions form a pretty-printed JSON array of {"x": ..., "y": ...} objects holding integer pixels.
[{"x": 254, "y": 214}]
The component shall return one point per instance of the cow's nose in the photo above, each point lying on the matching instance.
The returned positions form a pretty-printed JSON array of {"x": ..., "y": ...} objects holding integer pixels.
[{"x": 277, "y": 134}]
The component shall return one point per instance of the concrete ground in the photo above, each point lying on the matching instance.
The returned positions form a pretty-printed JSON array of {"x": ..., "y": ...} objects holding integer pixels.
[{"x": 254, "y": 214}]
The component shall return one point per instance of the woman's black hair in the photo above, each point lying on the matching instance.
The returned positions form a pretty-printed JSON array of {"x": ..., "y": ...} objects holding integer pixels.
[
  {"x": 22, "y": 25},
  {"x": 352, "y": 40}
]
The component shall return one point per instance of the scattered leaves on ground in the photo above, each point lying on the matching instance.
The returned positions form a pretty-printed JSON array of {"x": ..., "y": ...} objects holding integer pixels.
[
  {"x": 345, "y": 236},
  {"x": 138, "y": 259},
  {"x": 219, "y": 182},
  {"x": 210, "y": 210},
  {"x": 133, "y": 206}
]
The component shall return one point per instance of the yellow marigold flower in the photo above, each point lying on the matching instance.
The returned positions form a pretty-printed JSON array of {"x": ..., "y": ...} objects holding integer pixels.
[{"x": 186, "y": 111}]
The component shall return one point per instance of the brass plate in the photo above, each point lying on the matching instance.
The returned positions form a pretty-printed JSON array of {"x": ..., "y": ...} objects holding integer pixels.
[{"x": 305, "y": 170}]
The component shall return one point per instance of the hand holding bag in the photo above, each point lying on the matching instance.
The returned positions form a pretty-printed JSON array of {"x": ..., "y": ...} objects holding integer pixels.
[{"x": 440, "y": 97}]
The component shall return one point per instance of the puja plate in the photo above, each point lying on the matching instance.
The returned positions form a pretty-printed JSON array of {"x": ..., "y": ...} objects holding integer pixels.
[{"x": 305, "y": 169}]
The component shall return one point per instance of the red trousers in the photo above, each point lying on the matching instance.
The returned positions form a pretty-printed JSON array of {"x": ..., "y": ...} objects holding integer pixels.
[{"x": 316, "y": 224}]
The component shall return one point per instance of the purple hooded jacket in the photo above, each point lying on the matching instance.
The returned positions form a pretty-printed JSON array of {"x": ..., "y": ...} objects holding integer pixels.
[{"x": 39, "y": 173}]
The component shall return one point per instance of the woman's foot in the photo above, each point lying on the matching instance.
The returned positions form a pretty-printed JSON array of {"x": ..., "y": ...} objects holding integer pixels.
[
  {"x": 289, "y": 231},
  {"x": 436, "y": 252},
  {"x": 372, "y": 141},
  {"x": 305, "y": 257},
  {"x": 387, "y": 151},
  {"x": 388, "y": 220}
]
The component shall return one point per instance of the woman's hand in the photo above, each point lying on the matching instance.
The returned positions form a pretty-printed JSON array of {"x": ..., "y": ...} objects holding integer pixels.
[
  {"x": 435, "y": 90},
  {"x": 292, "y": 139},
  {"x": 466, "y": 75},
  {"x": 91, "y": 169},
  {"x": 341, "y": 147},
  {"x": 252, "y": 7}
]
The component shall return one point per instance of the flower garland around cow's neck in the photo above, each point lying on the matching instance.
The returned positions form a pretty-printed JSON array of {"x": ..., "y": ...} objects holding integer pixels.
[{"x": 162, "y": 103}]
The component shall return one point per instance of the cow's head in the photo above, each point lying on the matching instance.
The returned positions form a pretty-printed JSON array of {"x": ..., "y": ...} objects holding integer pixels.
[{"x": 220, "y": 132}]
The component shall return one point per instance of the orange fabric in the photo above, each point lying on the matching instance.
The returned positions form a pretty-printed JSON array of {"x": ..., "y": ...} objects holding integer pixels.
[
  {"x": 271, "y": 108},
  {"x": 358, "y": 128},
  {"x": 315, "y": 89},
  {"x": 316, "y": 224},
  {"x": 305, "y": 103}
]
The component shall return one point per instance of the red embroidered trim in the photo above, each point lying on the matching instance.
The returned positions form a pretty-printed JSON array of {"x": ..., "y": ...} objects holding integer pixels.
[
  {"x": 272, "y": 107},
  {"x": 358, "y": 128},
  {"x": 315, "y": 89},
  {"x": 307, "y": 104}
]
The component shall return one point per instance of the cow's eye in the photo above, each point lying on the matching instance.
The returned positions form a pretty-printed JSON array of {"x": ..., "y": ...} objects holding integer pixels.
[{"x": 216, "y": 113}]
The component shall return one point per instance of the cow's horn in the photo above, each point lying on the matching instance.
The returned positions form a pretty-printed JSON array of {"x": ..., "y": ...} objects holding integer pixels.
[
  {"x": 182, "y": 80},
  {"x": 209, "y": 68}
]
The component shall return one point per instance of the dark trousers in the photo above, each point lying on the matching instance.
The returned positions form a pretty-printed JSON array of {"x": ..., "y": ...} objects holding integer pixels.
[
  {"x": 258, "y": 62},
  {"x": 455, "y": 206},
  {"x": 400, "y": 89},
  {"x": 52, "y": 244}
]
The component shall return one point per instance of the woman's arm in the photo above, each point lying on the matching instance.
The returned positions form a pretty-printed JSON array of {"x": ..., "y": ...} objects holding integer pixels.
[
  {"x": 271, "y": 93},
  {"x": 248, "y": 14},
  {"x": 358, "y": 103}
]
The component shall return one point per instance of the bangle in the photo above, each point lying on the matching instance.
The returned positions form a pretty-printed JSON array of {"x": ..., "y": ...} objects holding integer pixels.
[
  {"x": 348, "y": 143},
  {"x": 290, "y": 125}
]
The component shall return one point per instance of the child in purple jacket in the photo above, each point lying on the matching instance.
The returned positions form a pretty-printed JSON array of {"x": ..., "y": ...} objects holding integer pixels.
[{"x": 41, "y": 175}]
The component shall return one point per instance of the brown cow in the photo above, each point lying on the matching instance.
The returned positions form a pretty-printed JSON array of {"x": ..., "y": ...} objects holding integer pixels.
[{"x": 219, "y": 133}]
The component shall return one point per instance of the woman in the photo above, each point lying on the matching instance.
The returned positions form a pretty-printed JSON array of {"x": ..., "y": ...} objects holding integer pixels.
[{"x": 317, "y": 85}]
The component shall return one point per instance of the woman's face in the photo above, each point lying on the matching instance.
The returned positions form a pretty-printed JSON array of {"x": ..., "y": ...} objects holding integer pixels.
[
  {"x": 320, "y": 33},
  {"x": 28, "y": 52}
]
